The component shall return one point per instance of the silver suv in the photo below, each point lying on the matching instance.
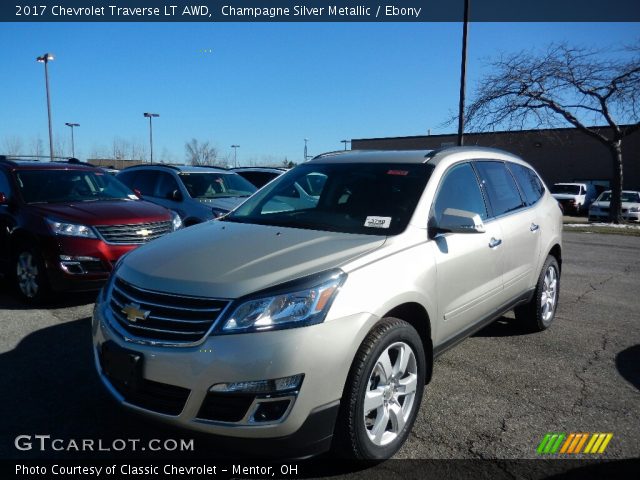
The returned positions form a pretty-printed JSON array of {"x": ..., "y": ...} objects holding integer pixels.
[{"x": 314, "y": 322}]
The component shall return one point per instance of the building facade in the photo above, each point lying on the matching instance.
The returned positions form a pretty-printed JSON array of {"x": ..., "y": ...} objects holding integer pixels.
[{"x": 559, "y": 155}]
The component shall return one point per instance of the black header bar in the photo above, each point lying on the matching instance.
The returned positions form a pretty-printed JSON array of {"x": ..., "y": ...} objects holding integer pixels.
[{"x": 318, "y": 11}]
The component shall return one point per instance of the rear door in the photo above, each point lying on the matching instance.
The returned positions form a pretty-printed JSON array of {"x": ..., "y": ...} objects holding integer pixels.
[
  {"x": 519, "y": 224},
  {"x": 468, "y": 265}
]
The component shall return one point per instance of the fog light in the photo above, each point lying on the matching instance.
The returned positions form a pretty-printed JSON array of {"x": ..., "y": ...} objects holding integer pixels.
[
  {"x": 271, "y": 411},
  {"x": 276, "y": 385},
  {"x": 74, "y": 266}
]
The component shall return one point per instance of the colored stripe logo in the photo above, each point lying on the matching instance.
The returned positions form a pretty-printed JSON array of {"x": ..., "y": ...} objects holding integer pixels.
[{"x": 573, "y": 443}]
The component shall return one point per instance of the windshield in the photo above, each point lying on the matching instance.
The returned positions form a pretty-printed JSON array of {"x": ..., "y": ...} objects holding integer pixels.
[
  {"x": 567, "y": 189},
  {"x": 626, "y": 197},
  {"x": 373, "y": 199},
  {"x": 61, "y": 186},
  {"x": 216, "y": 185}
]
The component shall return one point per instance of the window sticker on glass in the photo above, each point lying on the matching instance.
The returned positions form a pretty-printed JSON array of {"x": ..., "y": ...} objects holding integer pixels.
[
  {"x": 402, "y": 173},
  {"x": 377, "y": 222}
]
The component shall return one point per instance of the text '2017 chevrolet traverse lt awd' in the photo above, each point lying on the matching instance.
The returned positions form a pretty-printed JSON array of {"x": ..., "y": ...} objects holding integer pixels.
[{"x": 314, "y": 321}]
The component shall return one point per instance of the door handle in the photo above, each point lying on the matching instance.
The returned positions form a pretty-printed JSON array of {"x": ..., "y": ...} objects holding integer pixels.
[
  {"x": 494, "y": 242},
  {"x": 534, "y": 227}
]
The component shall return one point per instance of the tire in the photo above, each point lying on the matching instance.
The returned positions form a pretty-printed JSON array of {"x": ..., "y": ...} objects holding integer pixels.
[
  {"x": 389, "y": 371},
  {"x": 539, "y": 313},
  {"x": 29, "y": 275}
]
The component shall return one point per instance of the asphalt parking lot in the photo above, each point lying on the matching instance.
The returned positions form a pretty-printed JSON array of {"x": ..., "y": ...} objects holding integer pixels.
[{"x": 494, "y": 396}]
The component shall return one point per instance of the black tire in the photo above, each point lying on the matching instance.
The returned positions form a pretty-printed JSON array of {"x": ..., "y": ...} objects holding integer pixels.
[
  {"x": 354, "y": 439},
  {"x": 534, "y": 314},
  {"x": 30, "y": 276}
]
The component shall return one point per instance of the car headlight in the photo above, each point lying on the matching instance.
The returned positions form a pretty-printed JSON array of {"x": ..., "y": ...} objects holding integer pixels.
[
  {"x": 70, "y": 229},
  {"x": 287, "y": 306},
  {"x": 176, "y": 221},
  {"x": 634, "y": 209}
]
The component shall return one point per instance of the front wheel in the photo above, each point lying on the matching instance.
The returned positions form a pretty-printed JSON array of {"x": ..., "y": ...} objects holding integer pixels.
[
  {"x": 383, "y": 392},
  {"x": 539, "y": 313},
  {"x": 30, "y": 276}
]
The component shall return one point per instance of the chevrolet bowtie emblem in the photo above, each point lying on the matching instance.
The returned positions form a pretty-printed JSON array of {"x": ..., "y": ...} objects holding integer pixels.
[
  {"x": 144, "y": 232},
  {"x": 134, "y": 313}
]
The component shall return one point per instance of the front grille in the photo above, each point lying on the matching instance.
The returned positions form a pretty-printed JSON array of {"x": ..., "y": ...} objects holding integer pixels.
[
  {"x": 134, "y": 233},
  {"x": 158, "y": 316}
]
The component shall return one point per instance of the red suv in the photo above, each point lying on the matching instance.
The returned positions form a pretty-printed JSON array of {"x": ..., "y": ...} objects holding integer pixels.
[{"x": 63, "y": 226}]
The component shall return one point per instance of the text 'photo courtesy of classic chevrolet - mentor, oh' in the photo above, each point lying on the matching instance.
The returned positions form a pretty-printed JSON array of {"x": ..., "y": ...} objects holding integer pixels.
[{"x": 310, "y": 321}]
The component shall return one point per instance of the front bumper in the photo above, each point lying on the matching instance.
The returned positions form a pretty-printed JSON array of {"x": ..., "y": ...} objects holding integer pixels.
[
  {"x": 323, "y": 353},
  {"x": 80, "y": 264},
  {"x": 604, "y": 216}
]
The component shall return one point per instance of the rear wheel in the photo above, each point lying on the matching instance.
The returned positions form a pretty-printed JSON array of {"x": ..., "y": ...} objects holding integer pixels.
[
  {"x": 383, "y": 392},
  {"x": 30, "y": 276},
  {"x": 539, "y": 313}
]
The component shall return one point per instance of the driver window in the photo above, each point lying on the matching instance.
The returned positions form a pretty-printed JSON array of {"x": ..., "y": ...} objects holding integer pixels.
[{"x": 460, "y": 190}]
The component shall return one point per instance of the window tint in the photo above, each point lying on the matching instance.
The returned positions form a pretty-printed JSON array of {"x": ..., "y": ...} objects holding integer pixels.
[
  {"x": 4, "y": 184},
  {"x": 500, "y": 187},
  {"x": 530, "y": 185},
  {"x": 460, "y": 190},
  {"x": 166, "y": 185},
  {"x": 145, "y": 182},
  {"x": 259, "y": 179},
  {"x": 126, "y": 178}
]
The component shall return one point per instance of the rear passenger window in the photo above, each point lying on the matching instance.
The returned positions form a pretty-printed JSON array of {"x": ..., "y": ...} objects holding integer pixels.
[
  {"x": 460, "y": 190},
  {"x": 500, "y": 187},
  {"x": 530, "y": 185}
]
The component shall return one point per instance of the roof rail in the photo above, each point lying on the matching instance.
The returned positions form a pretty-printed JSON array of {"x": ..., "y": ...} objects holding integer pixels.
[
  {"x": 152, "y": 165},
  {"x": 330, "y": 154}
]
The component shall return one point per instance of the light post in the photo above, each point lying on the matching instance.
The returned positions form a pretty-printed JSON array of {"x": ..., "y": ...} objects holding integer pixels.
[
  {"x": 150, "y": 116},
  {"x": 235, "y": 154},
  {"x": 73, "y": 148},
  {"x": 45, "y": 59},
  {"x": 345, "y": 143},
  {"x": 463, "y": 74},
  {"x": 306, "y": 157}
]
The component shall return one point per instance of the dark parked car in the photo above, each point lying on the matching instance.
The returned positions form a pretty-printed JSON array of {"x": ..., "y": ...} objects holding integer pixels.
[
  {"x": 63, "y": 226},
  {"x": 197, "y": 194}
]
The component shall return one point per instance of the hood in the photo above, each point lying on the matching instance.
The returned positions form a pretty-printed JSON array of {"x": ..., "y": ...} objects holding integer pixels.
[
  {"x": 228, "y": 260},
  {"x": 625, "y": 205},
  {"x": 565, "y": 196},
  {"x": 104, "y": 212},
  {"x": 223, "y": 203}
]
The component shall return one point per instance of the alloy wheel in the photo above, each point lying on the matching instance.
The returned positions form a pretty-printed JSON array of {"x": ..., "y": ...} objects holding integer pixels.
[
  {"x": 27, "y": 274},
  {"x": 390, "y": 396}
]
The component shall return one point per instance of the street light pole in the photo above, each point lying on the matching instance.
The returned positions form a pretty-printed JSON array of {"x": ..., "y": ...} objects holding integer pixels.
[
  {"x": 345, "y": 143},
  {"x": 45, "y": 59},
  {"x": 73, "y": 149},
  {"x": 463, "y": 74},
  {"x": 235, "y": 154},
  {"x": 150, "y": 116},
  {"x": 306, "y": 157}
]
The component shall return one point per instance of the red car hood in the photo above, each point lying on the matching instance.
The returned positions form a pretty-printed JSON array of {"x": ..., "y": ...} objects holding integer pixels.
[{"x": 105, "y": 212}]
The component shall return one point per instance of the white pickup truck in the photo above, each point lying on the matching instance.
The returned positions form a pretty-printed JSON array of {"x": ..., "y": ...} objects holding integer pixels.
[{"x": 574, "y": 197}]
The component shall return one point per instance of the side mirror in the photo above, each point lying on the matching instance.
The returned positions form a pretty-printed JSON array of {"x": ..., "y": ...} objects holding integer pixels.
[
  {"x": 137, "y": 192},
  {"x": 460, "y": 221},
  {"x": 176, "y": 195},
  {"x": 3, "y": 199}
]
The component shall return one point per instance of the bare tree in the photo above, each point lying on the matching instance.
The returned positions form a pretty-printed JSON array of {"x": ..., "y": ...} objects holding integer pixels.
[
  {"x": 578, "y": 86},
  {"x": 12, "y": 145},
  {"x": 37, "y": 147},
  {"x": 200, "y": 153}
]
